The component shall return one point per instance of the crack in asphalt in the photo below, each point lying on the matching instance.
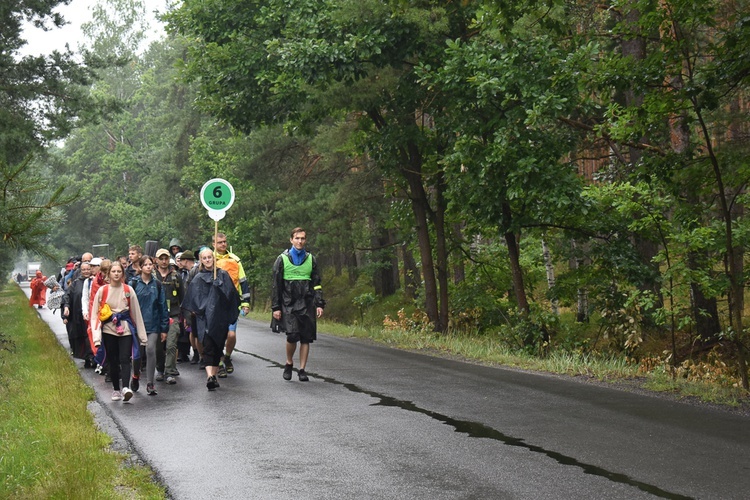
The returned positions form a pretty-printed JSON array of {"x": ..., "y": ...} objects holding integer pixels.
[{"x": 479, "y": 430}]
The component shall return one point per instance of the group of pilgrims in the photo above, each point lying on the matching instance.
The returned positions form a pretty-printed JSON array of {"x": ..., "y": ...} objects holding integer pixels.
[{"x": 136, "y": 317}]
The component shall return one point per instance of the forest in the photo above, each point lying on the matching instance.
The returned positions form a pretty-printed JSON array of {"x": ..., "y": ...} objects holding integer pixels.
[{"x": 554, "y": 174}]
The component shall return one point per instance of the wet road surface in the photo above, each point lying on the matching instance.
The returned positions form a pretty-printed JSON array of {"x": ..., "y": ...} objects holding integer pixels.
[{"x": 375, "y": 422}]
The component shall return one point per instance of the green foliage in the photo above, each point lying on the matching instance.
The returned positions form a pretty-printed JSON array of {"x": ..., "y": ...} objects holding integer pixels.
[
  {"x": 30, "y": 210},
  {"x": 364, "y": 302},
  {"x": 42, "y": 98},
  {"x": 363, "y": 120},
  {"x": 506, "y": 100},
  {"x": 482, "y": 295}
]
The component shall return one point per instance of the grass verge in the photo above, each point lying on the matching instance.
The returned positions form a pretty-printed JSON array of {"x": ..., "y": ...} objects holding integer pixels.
[
  {"x": 50, "y": 446},
  {"x": 488, "y": 350}
]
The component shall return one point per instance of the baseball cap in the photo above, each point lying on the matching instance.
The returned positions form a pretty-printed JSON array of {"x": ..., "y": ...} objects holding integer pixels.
[{"x": 162, "y": 251}]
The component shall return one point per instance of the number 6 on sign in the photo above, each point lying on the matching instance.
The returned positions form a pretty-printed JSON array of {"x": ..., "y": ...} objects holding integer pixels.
[{"x": 217, "y": 195}]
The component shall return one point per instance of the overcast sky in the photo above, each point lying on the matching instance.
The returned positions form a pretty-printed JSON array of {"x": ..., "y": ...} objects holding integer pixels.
[
  {"x": 76, "y": 13},
  {"x": 43, "y": 42}
]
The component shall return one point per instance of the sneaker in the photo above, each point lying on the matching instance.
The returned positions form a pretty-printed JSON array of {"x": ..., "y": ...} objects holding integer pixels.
[
  {"x": 107, "y": 378},
  {"x": 228, "y": 364},
  {"x": 302, "y": 375},
  {"x": 171, "y": 380},
  {"x": 150, "y": 390},
  {"x": 175, "y": 373},
  {"x": 222, "y": 370},
  {"x": 117, "y": 396},
  {"x": 126, "y": 394},
  {"x": 287, "y": 372},
  {"x": 135, "y": 384},
  {"x": 160, "y": 376},
  {"x": 196, "y": 358},
  {"x": 98, "y": 369},
  {"x": 212, "y": 383}
]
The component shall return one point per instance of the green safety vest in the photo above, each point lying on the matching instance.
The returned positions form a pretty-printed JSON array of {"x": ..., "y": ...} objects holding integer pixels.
[{"x": 297, "y": 273}]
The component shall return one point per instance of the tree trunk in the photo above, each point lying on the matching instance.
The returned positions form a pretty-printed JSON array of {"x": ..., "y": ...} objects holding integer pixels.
[
  {"x": 515, "y": 263},
  {"x": 410, "y": 167},
  {"x": 635, "y": 47},
  {"x": 352, "y": 269},
  {"x": 732, "y": 269},
  {"x": 459, "y": 271},
  {"x": 705, "y": 312},
  {"x": 442, "y": 251},
  {"x": 737, "y": 209},
  {"x": 395, "y": 278},
  {"x": 412, "y": 171},
  {"x": 382, "y": 277},
  {"x": 412, "y": 275},
  {"x": 338, "y": 258},
  {"x": 704, "y": 309},
  {"x": 582, "y": 305}
]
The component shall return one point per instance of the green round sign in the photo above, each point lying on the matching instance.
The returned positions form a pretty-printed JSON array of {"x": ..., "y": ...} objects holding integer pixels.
[{"x": 217, "y": 195}]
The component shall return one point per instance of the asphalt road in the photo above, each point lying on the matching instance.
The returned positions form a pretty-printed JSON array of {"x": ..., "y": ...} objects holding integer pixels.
[{"x": 379, "y": 423}]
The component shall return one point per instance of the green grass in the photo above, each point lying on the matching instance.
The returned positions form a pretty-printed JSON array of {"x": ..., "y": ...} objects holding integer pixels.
[
  {"x": 50, "y": 446},
  {"x": 711, "y": 393},
  {"x": 487, "y": 349}
]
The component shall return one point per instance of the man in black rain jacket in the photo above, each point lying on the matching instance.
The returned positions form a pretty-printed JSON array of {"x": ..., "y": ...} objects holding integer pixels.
[{"x": 297, "y": 301}]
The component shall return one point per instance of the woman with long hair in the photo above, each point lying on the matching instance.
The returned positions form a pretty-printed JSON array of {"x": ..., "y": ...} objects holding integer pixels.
[
  {"x": 154, "y": 312},
  {"x": 214, "y": 300},
  {"x": 116, "y": 321}
]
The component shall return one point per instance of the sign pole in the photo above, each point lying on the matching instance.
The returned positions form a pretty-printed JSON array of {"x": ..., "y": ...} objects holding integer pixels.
[
  {"x": 216, "y": 235},
  {"x": 217, "y": 195}
]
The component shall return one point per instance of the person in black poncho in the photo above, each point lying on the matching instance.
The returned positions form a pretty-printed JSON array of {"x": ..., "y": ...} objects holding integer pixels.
[
  {"x": 297, "y": 301},
  {"x": 73, "y": 318},
  {"x": 215, "y": 303}
]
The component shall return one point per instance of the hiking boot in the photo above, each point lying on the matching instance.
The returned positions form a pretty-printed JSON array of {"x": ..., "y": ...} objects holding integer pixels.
[
  {"x": 287, "y": 372},
  {"x": 160, "y": 376},
  {"x": 117, "y": 396},
  {"x": 228, "y": 364},
  {"x": 222, "y": 370},
  {"x": 126, "y": 394},
  {"x": 135, "y": 384},
  {"x": 302, "y": 375},
  {"x": 150, "y": 389},
  {"x": 212, "y": 383},
  {"x": 171, "y": 380}
]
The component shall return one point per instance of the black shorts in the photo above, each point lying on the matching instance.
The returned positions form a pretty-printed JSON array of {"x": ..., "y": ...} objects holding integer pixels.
[
  {"x": 301, "y": 337},
  {"x": 212, "y": 353}
]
